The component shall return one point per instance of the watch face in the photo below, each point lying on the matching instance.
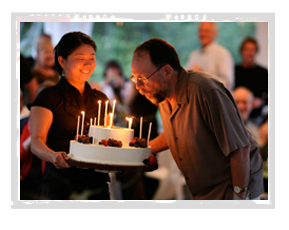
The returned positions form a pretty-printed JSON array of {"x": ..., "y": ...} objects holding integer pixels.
[{"x": 237, "y": 189}]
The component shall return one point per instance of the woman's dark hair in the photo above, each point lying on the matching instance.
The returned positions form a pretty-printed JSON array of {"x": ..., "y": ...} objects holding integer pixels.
[
  {"x": 161, "y": 53},
  {"x": 112, "y": 64},
  {"x": 249, "y": 40},
  {"x": 68, "y": 43}
]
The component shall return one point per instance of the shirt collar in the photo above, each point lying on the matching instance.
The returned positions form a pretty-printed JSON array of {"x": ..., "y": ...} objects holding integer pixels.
[
  {"x": 66, "y": 87},
  {"x": 208, "y": 47},
  {"x": 182, "y": 87}
]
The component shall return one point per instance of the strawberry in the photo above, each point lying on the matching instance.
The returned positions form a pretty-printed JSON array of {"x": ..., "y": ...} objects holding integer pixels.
[
  {"x": 152, "y": 160},
  {"x": 104, "y": 142},
  {"x": 132, "y": 143},
  {"x": 78, "y": 137}
]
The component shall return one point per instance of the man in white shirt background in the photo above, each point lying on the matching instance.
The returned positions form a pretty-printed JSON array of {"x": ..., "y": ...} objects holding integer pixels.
[{"x": 212, "y": 57}]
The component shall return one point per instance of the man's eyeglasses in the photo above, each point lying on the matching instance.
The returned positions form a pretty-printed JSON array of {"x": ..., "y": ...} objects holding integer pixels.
[{"x": 143, "y": 79}]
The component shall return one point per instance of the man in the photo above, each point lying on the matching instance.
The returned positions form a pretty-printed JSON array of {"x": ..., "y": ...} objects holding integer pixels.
[
  {"x": 244, "y": 99},
  {"x": 202, "y": 125},
  {"x": 211, "y": 57}
]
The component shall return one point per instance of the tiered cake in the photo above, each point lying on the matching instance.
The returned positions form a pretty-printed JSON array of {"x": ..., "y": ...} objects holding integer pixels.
[{"x": 111, "y": 149}]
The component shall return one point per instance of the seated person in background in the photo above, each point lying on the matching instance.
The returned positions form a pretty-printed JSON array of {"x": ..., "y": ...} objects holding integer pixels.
[
  {"x": 24, "y": 111},
  {"x": 31, "y": 167},
  {"x": 44, "y": 63},
  {"x": 245, "y": 99},
  {"x": 264, "y": 150},
  {"x": 117, "y": 88},
  {"x": 253, "y": 76},
  {"x": 28, "y": 84},
  {"x": 212, "y": 57}
]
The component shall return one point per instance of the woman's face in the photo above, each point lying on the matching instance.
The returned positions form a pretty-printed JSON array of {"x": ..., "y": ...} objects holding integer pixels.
[
  {"x": 249, "y": 52},
  {"x": 79, "y": 65}
]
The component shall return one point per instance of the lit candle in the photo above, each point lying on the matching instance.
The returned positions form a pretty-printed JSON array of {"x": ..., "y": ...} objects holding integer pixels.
[
  {"x": 77, "y": 128},
  {"x": 110, "y": 124},
  {"x": 83, "y": 113},
  {"x": 90, "y": 121},
  {"x": 105, "y": 114},
  {"x": 140, "y": 129},
  {"x": 129, "y": 122},
  {"x": 113, "y": 108},
  {"x": 94, "y": 130},
  {"x": 148, "y": 139},
  {"x": 99, "y": 107}
]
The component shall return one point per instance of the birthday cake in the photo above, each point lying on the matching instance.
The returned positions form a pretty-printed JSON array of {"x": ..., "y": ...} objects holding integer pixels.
[{"x": 111, "y": 149}]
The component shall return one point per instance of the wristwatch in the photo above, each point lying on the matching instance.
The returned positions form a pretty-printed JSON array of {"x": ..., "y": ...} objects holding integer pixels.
[{"x": 237, "y": 189}]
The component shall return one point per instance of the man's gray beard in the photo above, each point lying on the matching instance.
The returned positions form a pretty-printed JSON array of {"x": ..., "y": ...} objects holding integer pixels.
[{"x": 159, "y": 97}]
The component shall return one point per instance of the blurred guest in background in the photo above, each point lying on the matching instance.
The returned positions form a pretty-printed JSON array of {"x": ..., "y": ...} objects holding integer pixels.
[
  {"x": 31, "y": 167},
  {"x": 28, "y": 84},
  {"x": 136, "y": 186},
  {"x": 212, "y": 57},
  {"x": 244, "y": 99},
  {"x": 44, "y": 63},
  {"x": 254, "y": 77},
  {"x": 116, "y": 87},
  {"x": 41, "y": 38},
  {"x": 264, "y": 151}
]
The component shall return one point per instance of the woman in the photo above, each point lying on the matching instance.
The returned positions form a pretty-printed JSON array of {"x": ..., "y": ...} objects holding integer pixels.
[{"x": 53, "y": 121}]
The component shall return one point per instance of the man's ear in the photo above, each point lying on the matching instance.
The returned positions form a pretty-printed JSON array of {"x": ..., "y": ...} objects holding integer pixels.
[{"x": 167, "y": 71}]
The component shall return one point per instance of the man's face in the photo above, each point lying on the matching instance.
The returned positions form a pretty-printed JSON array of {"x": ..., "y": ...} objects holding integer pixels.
[
  {"x": 156, "y": 88},
  {"x": 249, "y": 52},
  {"x": 207, "y": 33},
  {"x": 244, "y": 101},
  {"x": 46, "y": 57}
]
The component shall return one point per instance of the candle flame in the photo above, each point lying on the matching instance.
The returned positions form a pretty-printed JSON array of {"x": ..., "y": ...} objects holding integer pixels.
[
  {"x": 82, "y": 112},
  {"x": 99, "y": 102},
  {"x": 128, "y": 118}
]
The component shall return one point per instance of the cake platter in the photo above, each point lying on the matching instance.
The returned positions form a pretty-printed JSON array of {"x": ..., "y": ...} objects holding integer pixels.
[{"x": 111, "y": 168}]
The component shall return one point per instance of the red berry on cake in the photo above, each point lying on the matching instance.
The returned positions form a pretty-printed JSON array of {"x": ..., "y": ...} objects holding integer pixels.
[
  {"x": 76, "y": 136},
  {"x": 104, "y": 142},
  {"x": 152, "y": 160},
  {"x": 119, "y": 144},
  {"x": 131, "y": 143}
]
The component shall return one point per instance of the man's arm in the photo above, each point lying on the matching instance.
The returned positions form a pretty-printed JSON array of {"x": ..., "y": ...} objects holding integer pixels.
[
  {"x": 240, "y": 168},
  {"x": 158, "y": 144}
]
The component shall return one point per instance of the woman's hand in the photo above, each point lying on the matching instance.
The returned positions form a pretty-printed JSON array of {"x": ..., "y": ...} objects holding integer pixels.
[
  {"x": 40, "y": 123},
  {"x": 59, "y": 160}
]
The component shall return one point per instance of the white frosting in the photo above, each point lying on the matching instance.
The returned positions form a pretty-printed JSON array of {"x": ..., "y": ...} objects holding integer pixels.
[
  {"x": 108, "y": 155},
  {"x": 95, "y": 153},
  {"x": 121, "y": 134}
]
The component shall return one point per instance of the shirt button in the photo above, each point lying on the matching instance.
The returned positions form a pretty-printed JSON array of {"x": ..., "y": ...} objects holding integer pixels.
[
  {"x": 176, "y": 138},
  {"x": 180, "y": 159}
]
